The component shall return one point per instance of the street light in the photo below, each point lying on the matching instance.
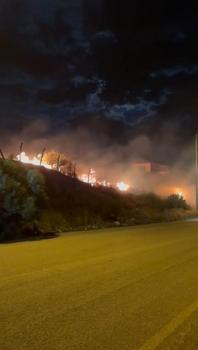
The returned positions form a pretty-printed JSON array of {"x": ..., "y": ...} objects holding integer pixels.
[{"x": 196, "y": 168}]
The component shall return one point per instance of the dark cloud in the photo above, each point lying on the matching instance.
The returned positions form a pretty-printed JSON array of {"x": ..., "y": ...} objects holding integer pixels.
[{"x": 131, "y": 62}]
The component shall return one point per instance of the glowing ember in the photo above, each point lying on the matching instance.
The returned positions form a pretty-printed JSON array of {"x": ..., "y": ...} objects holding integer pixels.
[
  {"x": 104, "y": 183},
  {"x": 89, "y": 178},
  {"x": 23, "y": 158},
  {"x": 179, "y": 192},
  {"x": 123, "y": 187}
]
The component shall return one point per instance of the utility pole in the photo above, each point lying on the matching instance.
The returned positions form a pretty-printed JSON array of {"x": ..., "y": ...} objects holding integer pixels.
[
  {"x": 89, "y": 176},
  {"x": 42, "y": 155},
  {"x": 2, "y": 155},
  {"x": 20, "y": 151},
  {"x": 58, "y": 162},
  {"x": 196, "y": 168}
]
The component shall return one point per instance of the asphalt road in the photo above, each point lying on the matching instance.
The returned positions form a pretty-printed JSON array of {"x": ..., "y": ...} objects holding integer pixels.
[{"x": 131, "y": 288}]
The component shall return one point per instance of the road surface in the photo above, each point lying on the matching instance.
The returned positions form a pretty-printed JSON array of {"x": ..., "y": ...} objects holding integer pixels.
[{"x": 117, "y": 289}]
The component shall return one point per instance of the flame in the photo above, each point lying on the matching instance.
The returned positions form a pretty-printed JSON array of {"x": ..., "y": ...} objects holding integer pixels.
[
  {"x": 122, "y": 186},
  {"x": 23, "y": 158},
  {"x": 183, "y": 192},
  {"x": 89, "y": 178},
  {"x": 92, "y": 180},
  {"x": 179, "y": 192},
  {"x": 104, "y": 183}
]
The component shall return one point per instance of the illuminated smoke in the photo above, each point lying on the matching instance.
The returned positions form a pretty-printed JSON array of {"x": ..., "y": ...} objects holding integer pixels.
[
  {"x": 89, "y": 178},
  {"x": 24, "y": 158},
  {"x": 123, "y": 187}
]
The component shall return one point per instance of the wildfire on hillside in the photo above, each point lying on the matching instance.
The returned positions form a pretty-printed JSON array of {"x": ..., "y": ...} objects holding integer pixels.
[
  {"x": 36, "y": 160},
  {"x": 179, "y": 192},
  {"x": 89, "y": 178},
  {"x": 141, "y": 184},
  {"x": 122, "y": 186},
  {"x": 185, "y": 191}
]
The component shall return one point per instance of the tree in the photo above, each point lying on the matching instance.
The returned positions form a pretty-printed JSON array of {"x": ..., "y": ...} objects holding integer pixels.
[
  {"x": 176, "y": 201},
  {"x": 21, "y": 192},
  {"x": 60, "y": 162},
  {"x": 53, "y": 158}
]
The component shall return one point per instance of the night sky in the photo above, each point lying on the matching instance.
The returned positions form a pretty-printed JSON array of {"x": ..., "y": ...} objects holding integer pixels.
[{"x": 116, "y": 69}]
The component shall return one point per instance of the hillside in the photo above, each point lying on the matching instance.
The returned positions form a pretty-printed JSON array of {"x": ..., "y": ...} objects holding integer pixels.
[
  {"x": 72, "y": 203},
  {"x": 34, "y": 200}
]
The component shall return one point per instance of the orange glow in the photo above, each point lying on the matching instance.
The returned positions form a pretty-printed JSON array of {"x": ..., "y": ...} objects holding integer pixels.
[
  {"x": 179, "y": 192},
  {"x": 23, "y": 158},
  {"x": 183, "y": 191},
  {"x": 89, "y": 178},
  {"x": 122, "y": 186},
  {"x": 104, "y": 183}
]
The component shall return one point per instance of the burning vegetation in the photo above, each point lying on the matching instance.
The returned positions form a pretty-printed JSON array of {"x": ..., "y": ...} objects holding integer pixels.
[
  {"x": 59, "y": 162},
  {"x": 137, "y": 177},
  {"x": 44, "y": 193}
]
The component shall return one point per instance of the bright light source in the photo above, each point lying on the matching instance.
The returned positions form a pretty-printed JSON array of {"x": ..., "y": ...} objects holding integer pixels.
[
  {"x": 23, "y": 158},
  {"x": 179, "y": 193},
  {"x": 89, "y": 178},
  {"x": 122, "y": 186}
]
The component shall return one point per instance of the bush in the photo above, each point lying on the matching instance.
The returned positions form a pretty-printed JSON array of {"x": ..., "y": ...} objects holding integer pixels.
[
  {"x": 176, "y": 201},
  {"x": 35, "y": 198},
  {"x": 21, "y": 193}
]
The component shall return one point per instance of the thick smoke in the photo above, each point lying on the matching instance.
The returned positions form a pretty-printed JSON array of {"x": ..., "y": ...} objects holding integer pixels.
[{"x": 111, "y": 160}]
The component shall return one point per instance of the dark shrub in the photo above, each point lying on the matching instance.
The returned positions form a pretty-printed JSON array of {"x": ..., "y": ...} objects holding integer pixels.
[
  {"x": 21, "y": 192},
  {"x": 176, "y": 201}
]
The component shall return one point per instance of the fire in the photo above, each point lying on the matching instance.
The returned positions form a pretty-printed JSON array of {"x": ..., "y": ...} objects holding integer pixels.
[
  {"x": 23, "y": 158},
  {"x": 104, "y": 183},
  {"x": 122, "y": 186},
  {"x": 89, "y": 178},
  {"x": 92, "y": 180},
  {"x": 182, "y": 192},
  {"x": 179, "y": 192}
]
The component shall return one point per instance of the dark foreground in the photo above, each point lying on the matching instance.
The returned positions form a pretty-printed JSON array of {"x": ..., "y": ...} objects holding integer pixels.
[{"x": 117, "y": 289}]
